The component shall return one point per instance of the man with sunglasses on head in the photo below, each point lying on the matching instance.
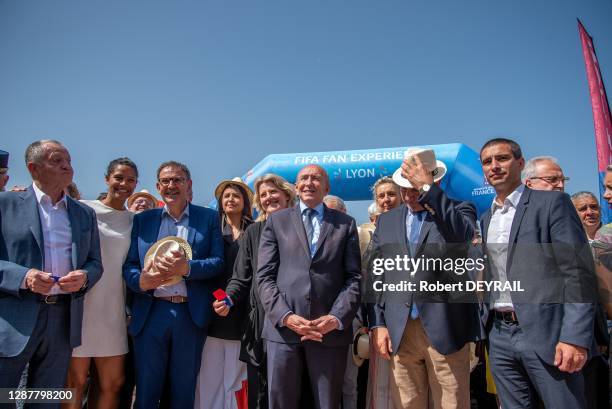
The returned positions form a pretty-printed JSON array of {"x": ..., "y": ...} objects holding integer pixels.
[
  {"x": 170, "y": 318},
  {"x": 544, "y": 173}
]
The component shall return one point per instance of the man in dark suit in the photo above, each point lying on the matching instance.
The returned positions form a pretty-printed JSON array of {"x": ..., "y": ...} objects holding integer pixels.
[
  {"x": 169, "y": 320},
  {"x": 49, "y": 258},
  {"x": 427, "y": 342},
  {"x": 539, "y": 339},
  {"x": 308, "y": 278}
]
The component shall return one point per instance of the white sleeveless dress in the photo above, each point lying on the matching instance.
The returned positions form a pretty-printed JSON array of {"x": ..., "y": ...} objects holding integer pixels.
[{"x": 104, "y": 322}]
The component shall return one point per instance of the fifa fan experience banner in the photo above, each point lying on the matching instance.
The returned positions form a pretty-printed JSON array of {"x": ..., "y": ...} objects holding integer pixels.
[
  {"x": 352, "y": 173},
  {"x": 601, "y": 115}
]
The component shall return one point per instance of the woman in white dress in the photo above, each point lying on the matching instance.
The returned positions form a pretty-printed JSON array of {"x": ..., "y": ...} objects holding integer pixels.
[{"x": 104, "y": 336}]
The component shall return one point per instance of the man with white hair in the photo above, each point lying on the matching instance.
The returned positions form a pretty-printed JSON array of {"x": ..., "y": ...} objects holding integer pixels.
[
  {"x": 49, "y": 258},
  {"x": 544, "y": 173},
  {"x": 334, "y": 202}
]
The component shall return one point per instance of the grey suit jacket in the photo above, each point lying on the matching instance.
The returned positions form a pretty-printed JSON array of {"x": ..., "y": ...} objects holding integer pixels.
[
  {"x": 549, "y": 253},
  {"x": 289, "y": 280},
  {"x": 22, "y": 248}
]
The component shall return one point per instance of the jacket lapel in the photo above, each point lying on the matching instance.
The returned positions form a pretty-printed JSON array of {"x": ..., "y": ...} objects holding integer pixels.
[
  {"x": 296, "y": 217},
  {"x": 33, "y": 219},
  {"x": 425, "y": 227},
  {"x": 192, "y": 227},
  {"x": 75, "y": 229},
  {"x": 486, "y": 220},
  {"x": 402, "y": 238},
  {"x": 516, "y": 223},
  {"x": 326, "y": 227}
]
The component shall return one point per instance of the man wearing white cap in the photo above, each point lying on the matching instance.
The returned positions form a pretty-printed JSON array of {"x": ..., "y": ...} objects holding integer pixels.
[{"x": 426, "y": 342}]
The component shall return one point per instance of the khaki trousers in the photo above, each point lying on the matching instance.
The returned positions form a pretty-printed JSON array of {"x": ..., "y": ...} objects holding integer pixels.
[{"x": 418, "y": 371}]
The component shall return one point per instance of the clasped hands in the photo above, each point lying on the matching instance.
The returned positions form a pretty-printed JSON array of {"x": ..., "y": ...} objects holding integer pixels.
[
  {"x": 166, "y": 268},
  {"x": 311, "y": 330},
  {"x": 41, "y": 283}
]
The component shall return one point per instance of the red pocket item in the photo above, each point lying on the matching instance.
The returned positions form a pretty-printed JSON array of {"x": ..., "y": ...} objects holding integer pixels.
[{"x": 219, "y": 294}]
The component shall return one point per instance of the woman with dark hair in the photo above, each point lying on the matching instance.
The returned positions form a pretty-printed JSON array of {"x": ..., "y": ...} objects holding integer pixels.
[
  {"x": 104, "y": 335},
  {"x": 272, "y": 193},
  {"x": 222, "y": 374}
]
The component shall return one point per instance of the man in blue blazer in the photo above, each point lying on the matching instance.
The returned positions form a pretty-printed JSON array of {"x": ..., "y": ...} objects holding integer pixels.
[
  {"x": 169, "y": 320},
  {"x": 49, "y": 258},
  {"x": 539, "y": 339},
  {"x": 308, "y": 280},
  {"x": 426, "y": 335}
]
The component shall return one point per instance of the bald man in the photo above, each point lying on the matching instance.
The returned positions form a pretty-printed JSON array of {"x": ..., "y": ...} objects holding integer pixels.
[{"x": 308, "y": 280}]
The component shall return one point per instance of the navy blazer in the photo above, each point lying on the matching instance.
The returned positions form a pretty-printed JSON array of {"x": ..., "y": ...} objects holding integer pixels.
[
  {"x": 548, "y": 251},
  {"x": 204, "y": 237},
  {"x": 289, "y": 280},
  {"x": 446, "y": 233},
  {"x": 22, "y": 248}
]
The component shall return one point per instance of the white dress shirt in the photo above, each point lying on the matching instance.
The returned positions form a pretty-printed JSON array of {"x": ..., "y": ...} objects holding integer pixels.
[
  {"x": 498, "y": 238},
  {"x": 57, "y": 236}
]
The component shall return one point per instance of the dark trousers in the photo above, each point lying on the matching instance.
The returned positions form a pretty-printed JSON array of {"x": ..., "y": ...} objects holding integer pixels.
[
  {"x": 257, "y": 386},
  {"x": 597, "y": 381},
  {"x": 170, "y": 343},
  {"x": 287, "y": 363},
  {"x": 48, "y": 353},
  {"x": 521, "y": 375}
]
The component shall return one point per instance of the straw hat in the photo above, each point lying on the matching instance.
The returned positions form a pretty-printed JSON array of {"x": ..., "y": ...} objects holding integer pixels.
[
  {"x": 164, "y": 247},
  {"x": 428, "y": 157},
  {"x": 361, "y": 348},
  {"x": 143, "y": 193},
  {"x": 235, "y": 181}
]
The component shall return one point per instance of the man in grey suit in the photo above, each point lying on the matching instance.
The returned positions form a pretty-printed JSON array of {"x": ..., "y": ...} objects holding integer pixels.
[
  {"x": 308, "y": 279},
  {"x": 49, "y": 258},
  {"x": 539, "y": 339}
]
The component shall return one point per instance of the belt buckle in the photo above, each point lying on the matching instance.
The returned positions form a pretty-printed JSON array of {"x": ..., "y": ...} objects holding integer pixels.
[
  {"x": 50, "y": 299},
  {"x": 175, "y": 299}
]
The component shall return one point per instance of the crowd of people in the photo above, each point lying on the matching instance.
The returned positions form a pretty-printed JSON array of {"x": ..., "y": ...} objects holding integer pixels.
[{"x": 137, "y": 301}]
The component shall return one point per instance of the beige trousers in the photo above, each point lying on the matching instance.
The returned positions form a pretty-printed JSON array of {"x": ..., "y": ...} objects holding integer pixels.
[{"x": 418, "y": 371}]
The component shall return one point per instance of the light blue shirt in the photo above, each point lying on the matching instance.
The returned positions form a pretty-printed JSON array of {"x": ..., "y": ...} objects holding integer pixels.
[
  {"x": 317, "y": 220},
  {"x": 414, "y": 222},
  {"x": 173, "y": 227}
]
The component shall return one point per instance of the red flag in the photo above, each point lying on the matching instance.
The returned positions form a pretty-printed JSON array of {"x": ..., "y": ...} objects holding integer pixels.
[{"x": 601, "y": 114}]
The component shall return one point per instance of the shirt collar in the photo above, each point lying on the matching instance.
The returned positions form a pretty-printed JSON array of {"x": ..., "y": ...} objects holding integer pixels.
[
  {"x": 318, "y": 208},
  {"x": 43, "y": 197},
  {"x": 512, "y": 199},
  {"x": 184, "y": 214}
]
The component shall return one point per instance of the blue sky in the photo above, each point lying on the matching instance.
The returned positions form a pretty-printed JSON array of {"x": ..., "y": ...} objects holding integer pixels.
[{"x": 219, "y": 85}]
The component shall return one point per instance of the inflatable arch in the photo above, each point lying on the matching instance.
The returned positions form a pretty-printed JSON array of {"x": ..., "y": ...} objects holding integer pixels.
[{"x": 352, "y": 173}]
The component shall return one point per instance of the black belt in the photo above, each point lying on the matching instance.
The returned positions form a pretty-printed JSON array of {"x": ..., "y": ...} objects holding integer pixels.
[
  {"x": 55, "y": 299},
  {"x": 507, "y": 316},
  {"x": 175, "y": 299}
]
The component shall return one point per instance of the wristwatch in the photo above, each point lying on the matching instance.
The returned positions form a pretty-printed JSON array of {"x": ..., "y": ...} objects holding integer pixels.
[{"x": 424, "y": 189}]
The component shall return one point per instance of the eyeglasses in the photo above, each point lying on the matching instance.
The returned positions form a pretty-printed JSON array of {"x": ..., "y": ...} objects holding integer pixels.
[
  {"x": 167, "y": 181},
  {"x": 553, "y": 180}
]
